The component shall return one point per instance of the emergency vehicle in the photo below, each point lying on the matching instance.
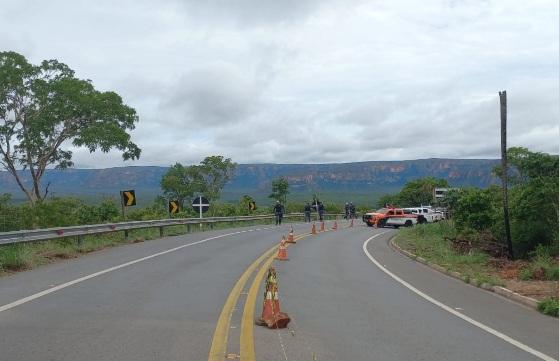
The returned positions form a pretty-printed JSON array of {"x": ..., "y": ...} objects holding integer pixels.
[{"x": 395, "y": 217}]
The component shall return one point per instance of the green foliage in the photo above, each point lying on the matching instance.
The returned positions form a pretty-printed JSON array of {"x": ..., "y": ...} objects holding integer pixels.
[
  {"x": 181, "y": 183},
  {"x": 44, "y": 108},
  {"x": 549, "y": 306},
  {"x": 431, "y": 241},
  {"x": 525, "y": 274},
  {"x": 15, "y": 257},
  {"x": 474, "y": 209},
  {"x": 414, "y": 193},
  {"x": 216, "y": 172},
  {"x": 542, "y": 266},
  {"x": 420, "y": 191},
  {"x": 280, "y": 190},
  {"x": 208, "y": 178}
]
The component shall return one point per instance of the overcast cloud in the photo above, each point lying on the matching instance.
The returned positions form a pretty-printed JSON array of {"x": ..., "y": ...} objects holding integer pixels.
[{"x": 305, "y": 81}]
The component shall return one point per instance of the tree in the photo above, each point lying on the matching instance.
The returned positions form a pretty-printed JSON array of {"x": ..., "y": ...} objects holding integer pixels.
[
  {"x": 280, "y": 190},
  {"x": 420, "y": 191},
  {"x": 216, "y": 171},
  {"x": 182, "y": 182},
  {"x": 44, "y": 109}
]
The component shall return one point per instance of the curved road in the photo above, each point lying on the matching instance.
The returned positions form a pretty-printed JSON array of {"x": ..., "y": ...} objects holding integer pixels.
[{"x": 162, "y": 299}]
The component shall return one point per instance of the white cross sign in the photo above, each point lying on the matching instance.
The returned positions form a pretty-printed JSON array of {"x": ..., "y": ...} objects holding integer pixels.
[{"x": 201, "y": 205}]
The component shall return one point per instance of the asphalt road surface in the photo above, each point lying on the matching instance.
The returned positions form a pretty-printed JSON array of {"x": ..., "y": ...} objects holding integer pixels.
[{"x": 162, "y": 299}]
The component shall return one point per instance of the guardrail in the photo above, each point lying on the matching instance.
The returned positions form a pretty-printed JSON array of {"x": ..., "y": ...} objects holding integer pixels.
[{"x": 80, "y": 231}]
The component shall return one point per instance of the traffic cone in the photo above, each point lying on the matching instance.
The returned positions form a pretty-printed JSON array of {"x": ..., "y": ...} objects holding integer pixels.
[
  {"x": 272, "y": 317},
  {"x": 322, "y": 227},
  {"x": 282, "y": 251},
  {"x": 290, "y": 237},
  {"x": 313, "y": 230},
  {"x": 335, "y": 226}
]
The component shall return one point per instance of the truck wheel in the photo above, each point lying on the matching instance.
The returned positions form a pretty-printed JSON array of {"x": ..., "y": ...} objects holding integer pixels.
[
  {"x": 408, "y": 223},
  {"x": 396, "y": 227},
  {"x": 382, "y": 223},
  {"x": 369, "y": 225}
]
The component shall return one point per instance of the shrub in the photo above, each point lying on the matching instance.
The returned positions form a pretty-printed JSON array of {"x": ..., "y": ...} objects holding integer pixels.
[
  {"x": 552, "y": 273},
  {"x": 525, "y": 274},
  {"x": 15, "y": 257},
  {"x": 549, "y": 306}
]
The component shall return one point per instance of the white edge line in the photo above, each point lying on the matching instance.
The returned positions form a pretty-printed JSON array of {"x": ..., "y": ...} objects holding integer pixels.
[
  {"x": 111, "y": 269},
  {"x": 488, "y": 329}
]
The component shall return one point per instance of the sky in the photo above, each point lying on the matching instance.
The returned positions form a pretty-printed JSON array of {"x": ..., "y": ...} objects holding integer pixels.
[{"x": 307, "y": 81}]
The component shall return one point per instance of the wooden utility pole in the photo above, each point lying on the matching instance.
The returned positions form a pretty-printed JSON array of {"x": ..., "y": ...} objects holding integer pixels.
[{"x": 504, "y": 176}]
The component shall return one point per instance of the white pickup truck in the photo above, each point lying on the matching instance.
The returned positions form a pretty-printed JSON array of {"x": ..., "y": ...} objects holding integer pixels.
[{"x": 427, "y": 212}]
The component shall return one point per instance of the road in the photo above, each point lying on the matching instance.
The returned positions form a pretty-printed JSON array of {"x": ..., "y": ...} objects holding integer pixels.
[{"x": 178, "y": 298}]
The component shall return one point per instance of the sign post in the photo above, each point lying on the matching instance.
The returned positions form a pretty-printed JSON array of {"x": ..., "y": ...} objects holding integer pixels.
[
  {"x": 127, "y": 199},
  {"x": 201, "y": 204}
]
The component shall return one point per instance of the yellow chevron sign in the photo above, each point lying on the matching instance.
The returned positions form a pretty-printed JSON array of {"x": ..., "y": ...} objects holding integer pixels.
[
  {"x": 128, "y": 198},
  {"x": 173, "y": 207}
]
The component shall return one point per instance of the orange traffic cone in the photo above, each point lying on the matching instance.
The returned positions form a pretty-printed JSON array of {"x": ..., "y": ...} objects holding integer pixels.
[
  {"x": 313, "y": 230},
  {"x": 335, "y": 226},
  {"x": 272, "y": 317},
  {"x": 290, "y": 237},
  {"x": 282, "y": 251},
  {"x": 322, "y": 227}
]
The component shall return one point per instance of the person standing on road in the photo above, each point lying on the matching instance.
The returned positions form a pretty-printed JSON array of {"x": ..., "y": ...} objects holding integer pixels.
[
  {"x": 346, "y": 216},
  {"x": 320, "y": 211},
  {"x": 278, "y": 211},
  {"x": 351, "y": 210},
  {"x": 307, "y": 212}
]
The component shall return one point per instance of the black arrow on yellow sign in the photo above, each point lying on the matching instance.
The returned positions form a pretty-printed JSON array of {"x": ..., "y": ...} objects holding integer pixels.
[
  {"x": 173, "y": 207},
  {"x": 129, "y": 198}
]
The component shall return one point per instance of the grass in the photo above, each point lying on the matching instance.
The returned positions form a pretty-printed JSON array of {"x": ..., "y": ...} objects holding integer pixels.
[
  {"x": 541, "y": 267},
  {"x": 24, "y": 256},
  {"x": 428, "y": 241},
  {"x": 549, "y": 306}
]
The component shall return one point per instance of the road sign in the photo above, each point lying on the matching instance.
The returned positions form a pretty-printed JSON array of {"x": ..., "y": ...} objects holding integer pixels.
[
  {"x": 173, "y": 207},
  {"x": 251, "y": 205},
  {"x": 128, "y": 198},
  {"x": 200, "y": 204}
]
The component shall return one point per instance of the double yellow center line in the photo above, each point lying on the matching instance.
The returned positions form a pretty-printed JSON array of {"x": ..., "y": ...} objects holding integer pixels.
[{"x": 218, "y": 348}]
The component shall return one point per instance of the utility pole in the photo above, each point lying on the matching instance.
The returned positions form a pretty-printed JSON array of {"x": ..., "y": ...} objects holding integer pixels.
[{"x": 504, "y": 176}]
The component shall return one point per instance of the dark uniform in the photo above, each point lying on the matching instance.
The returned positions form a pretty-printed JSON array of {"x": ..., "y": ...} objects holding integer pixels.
[
  {"x": 346, "y": 211},
  {"x": 321, "y": 211},
  {"x": 307, "y": 212},
  {"x": 278, "y": 211},
  {"x": 352, "y": 211}
]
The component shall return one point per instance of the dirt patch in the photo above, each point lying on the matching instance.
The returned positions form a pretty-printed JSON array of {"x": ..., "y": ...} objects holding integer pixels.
[
  {"x": 58, "y": 255},
  {"x": 505, "y": 269},
  {"x": 535, "y": 289}
]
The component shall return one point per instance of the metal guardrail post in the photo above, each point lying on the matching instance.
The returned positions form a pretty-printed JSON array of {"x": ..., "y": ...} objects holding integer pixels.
[
  {"x": 161, "y": 231},
  {"x": 126, "y": 234}
]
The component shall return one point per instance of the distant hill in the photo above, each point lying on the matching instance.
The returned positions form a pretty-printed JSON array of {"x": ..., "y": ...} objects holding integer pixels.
[{"x": 362, "y": 181}]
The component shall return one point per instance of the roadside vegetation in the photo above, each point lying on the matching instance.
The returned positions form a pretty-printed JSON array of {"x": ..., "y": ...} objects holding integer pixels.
[{"x": 473, "y": 241}]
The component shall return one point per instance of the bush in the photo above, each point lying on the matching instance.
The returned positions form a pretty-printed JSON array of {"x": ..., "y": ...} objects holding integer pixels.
[
  {"x": 549, "y": 306},
  {"x": 525, "y": 274},
  {"x": 552, "y": 273},
  {"x": 15, "y": 257}
]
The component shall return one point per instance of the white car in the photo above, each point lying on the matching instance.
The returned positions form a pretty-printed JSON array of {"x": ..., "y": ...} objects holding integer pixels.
[{"x": 427, "y": 212}]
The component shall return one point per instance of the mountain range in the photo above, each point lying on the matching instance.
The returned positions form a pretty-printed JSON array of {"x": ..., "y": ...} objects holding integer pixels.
[{"x": 358, "y": 182}]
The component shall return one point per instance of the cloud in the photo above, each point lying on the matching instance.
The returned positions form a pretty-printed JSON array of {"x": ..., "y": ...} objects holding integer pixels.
[{"x": 308, "y": 81}]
